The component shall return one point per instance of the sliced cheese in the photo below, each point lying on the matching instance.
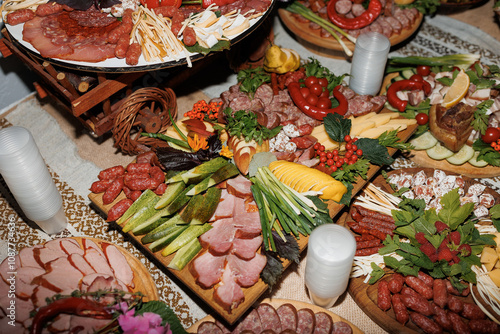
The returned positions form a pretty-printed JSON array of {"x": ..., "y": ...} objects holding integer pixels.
[
  {"x": 406, "y": 121},
  {"x": 358, "y": 128},
  {"x": 206, "y": 19},
  {"x": 362, "y": 118},
  {"x": 381, "y": 119},
  {"x": 374, "y": 133},
  {"x": 397, "y": 125}
]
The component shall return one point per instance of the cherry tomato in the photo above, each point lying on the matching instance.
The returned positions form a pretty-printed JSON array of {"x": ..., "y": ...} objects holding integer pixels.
[
  {"x": 329, "y": 155},
  {"x": 316, "y": 146},
  {"x": 312, "y": 99},
  {"x": 348, "y": 155},
  {"x": 423, "y": 70},
  {"x": 322, "y": 164},
  {"x": 324, "y": 103},
  {"x": 348, "y": 146},
  {"x": 323, "y": 159},
  {"x": 330, "y": 162},
  {"x": 335, "y": 152},
  {"x": 347, "y": 138},
  {"x": 334, "y": 168},
  {"x": 422, "y": 118},
  {"x": 311, "y": 80},
  {"x": 491, "y": 135},
  {"x": 325, "y": 93},
  {"x": 359, "y": 152},
  {"x": 316, "y": 89},
  {"x": 305, "y": 92},
  {"x": 417, "y": 78},
  {"x": 323, "y": 82},
  {"x": 336, "y": 158}
]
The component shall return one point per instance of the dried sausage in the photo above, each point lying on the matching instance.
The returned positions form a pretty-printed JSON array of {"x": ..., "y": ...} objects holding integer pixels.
[
  {"x": 324, "y": 323},
  {"x": 111, "y": 173},
  {"x": 484, "y": 326},
  {"x": 374, "y": 214},
  {"x": 341, "y": 327},
  {"x": 288, "y": 316},
  {"x": 251, "y": 322},
  {"x": 452, "y": 290},
  {"x": 383, "y": 296},
  {"x": 378, "y": 222},
  {"x": 400, "y": 311},
  {"x": 269, "y": 317},
  {"x": 100, "y": 186},
  {"x": 189, "y": 36},
  {"x": 426, "y": 324},
  {"x": 130, "y": 176},
  {"x": 418, "y": 304},
  {"x": 142, "y": 184},
  {"x": 427, "y": 279},
  {"x": 408, "y": 291},
  {"x": 138, "y": 167},
  {"x": 368, "y": 251},
  {"x": 419, "y": 286},
  {"x": 356, "y": 215},
  {"x": 396, "y": 283},
  {"x": 441, "y": 317},
  {"x": 114, "y": 189},
  {"x": 364, "y": 237},
  {"x": 208, "y": 327},
  {"x": 119, "y": 209},
  {"x": 455, "y": 304},
  {"x": 157, "y": 174},
  {"x": 122, "y": 46},
  {"x": 20, "y": 16},
  {"x": 472, "y": 311},
  {"x": 368, "y": 243},
  {"x": 459, "y": 326},
  {"x": 133, "y": 53},
  {"x": 123, "y": 29},
  {"x": 160, "y": 189},
  {"x": 166, "y": 11},
  {"x": 440, "y": 293},
  {"x": 377, "y": 230},
  {"x": 49, "y": 8},
  {"x": 306, "y": 321}
]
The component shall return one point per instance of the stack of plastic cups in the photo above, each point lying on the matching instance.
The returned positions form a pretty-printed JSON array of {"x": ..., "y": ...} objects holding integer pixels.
[
  {"x": 368, "y": 63},
  {"x": 29, "y": 180},
  {"x": 330, "y": 254}
]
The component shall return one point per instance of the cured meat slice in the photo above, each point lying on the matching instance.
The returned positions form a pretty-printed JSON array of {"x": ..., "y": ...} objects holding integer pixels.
[
  {"x": 288, "y": 316},
  {"x": 23, "y": 310},
  {"x": 90, "y": 244},
  {"x": 228, "y": 293},
  {"x": 240, "y": 186},
  {"x": 208, "y": 327},
  {"x": 246, "y": 248},
  {"x": 33, "y": 33},
  {"x": 6, "y": 267},
  {"x": 119, "y": 265},
  {"x": 98, "y": 261},
  {"x": 40, "y": 295},
  {"x": 251, "y": 323},
  {"x": 88, "y": 280},
  {"x": 269, "y": 317},
  {"x": 246, "y": 273},
  {"x": 27, "y": 257},
  {"x": 225, "y": 207},
  {"x": 25, "y": 276},
  {"x": 81, "y": 264},
  {"x": 247, "y": 224},
  {"x": 306, "y": 321},
  {"x": 61, "y": 323},
  {"x": 55, "y": 280},
  {"x": 44, "y": 255},
  {"x": 324, "y": 323},
  {"x": 219, "y": 239},
  {"x": 71, "y": 246},
  {"x": 208, "y": 269},
  {"x": 341, "y": 327}
]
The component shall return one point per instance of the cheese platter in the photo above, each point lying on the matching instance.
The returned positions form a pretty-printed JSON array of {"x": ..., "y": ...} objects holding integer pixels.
[{"x": 367, "y": 295}]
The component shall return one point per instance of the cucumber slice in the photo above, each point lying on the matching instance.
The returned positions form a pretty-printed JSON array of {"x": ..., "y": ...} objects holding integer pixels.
[
  {"x": 477, "y": 163},
  {"x": 185, "y": 254},
  {"x": 424, "y": 141},
  {"x": 462, "y": 156},
  {"x": 439, "y": 152},
  {"x": 407, "y": 74}
]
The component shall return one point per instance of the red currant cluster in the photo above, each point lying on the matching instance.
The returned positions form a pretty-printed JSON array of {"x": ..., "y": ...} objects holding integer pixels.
[{"x": 333, "y": 159}]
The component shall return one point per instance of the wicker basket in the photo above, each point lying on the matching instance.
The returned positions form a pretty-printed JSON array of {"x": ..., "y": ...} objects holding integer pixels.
[{"x": 140, "y": 105}]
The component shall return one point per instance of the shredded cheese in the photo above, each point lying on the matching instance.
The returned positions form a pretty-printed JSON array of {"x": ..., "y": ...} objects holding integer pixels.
[{"x": 488, "y": 291}]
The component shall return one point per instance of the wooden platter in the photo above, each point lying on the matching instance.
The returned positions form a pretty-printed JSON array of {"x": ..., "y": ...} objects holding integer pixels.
[
  {"x": 275, "y": 302},
  {"x": 421, "y": 158},
  {"x": 365, "y": 295},
  {"x": 254, "y": 292},
  {"x": 312, "y": 39}
]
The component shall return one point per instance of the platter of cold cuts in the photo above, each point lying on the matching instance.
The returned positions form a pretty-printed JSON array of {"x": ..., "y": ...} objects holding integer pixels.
[
  {"x": 282, "y": 316},
  {"x": 130, "y": 37},
  {"x": 395, "y": 23},
  {"x": 69, "y": 267},
  {"x": 392, "y": 301}
]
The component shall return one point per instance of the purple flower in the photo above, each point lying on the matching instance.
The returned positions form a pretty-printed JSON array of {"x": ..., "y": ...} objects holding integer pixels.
[{"x": 147, "y": 323}]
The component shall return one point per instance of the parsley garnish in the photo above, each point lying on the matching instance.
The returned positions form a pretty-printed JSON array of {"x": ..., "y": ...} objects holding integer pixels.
[
  {"x": 486, "y": 153},
  {"x": 481, "y": 120},
  {"x": 391, "y": 139},
  {"x": 244, "y": 124},
  {"x": 251, "y": 79}
]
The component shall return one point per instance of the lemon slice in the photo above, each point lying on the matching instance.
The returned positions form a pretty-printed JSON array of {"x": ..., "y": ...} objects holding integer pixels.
[{"x": 457, "y": 90}]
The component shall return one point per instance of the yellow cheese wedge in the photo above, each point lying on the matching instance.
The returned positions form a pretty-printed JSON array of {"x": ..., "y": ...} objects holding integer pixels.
[
  {"x": 374, "y": 133},
  {"x": 362, "y": 118},
  {"x": 358, "y": 128},
  {"x": 397, "y": 125},
  {"x": 381, "y": 119}
]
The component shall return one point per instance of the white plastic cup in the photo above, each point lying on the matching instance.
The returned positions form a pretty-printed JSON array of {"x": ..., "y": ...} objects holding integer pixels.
[
  {"x": 368, "y": 63},
  {"x": 330, "y": 254},
  {"x": 29, "y": 180}
]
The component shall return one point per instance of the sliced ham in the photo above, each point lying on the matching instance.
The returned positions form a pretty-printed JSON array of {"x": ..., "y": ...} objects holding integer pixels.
[
  {"x": 219, "y": 239},
  {"x": 246, "y": 273},
  {"x": 97, "y": 279},
  {"x": 246, "y": 248},
  {"x": 88, "y": 325},
  {"x": 225, "y": 207},
  {"x": 71, "y": 246},
  {"x": 119, "y": 264},
  {"x": 98, "y": 261},
  {"x": 207, "y": 269},
  {"x": 90, "y": 244},
  {"x": 228, "y": 293},
  {"x": 24, "y": 277},
  {"x": 23, "y": 310},
  {"x": 60, "y": 276},
  {"x": 247, "y": 225},
  {"x": 40, "y": 295},
  {"x": 45, "y": 255},
  {"x": 27, "y": 257},
  {"x": 239, "y": 187},
  {"x": 79, "y": 262},
  {"x": 61, "y": 323}
]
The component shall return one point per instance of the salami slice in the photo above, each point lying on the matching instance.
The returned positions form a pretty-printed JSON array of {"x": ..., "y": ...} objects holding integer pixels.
[
  {"x": 306, "y": 321},
  {"x": 208, "y": 327},
  {"x": 251, "y": 323},
  {"x": 341, "y": 327},
  {"x": 269, "y": 317},
  {"x": 324, "y": 323},
  {"x": 288, "y": 316}
]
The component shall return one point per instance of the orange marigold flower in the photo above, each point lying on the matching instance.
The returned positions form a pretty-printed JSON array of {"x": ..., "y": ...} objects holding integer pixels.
[
  {"x": 226, "y": 152},
  {"x": 196, "y": 143}
]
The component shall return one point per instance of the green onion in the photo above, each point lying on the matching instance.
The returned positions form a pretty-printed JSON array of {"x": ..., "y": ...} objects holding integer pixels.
[
  {"x": 459, "y": 60},
  {"x": 302, "y": 10}
]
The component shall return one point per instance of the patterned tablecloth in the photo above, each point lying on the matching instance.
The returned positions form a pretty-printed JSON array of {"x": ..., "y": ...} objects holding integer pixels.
[{"x": 73, "y": 175}]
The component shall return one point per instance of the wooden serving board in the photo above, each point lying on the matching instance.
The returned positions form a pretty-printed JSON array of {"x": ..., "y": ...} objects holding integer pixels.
[
  {"x": 365, "y": 295},
  {"x": 312, "y": 39},
  {"x": 254, "y": 292},
  {"x": 276, "y": 302},
  {"x": 421, "y": 158}
]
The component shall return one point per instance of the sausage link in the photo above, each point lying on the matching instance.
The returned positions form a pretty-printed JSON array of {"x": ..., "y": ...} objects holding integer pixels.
[
  {"x": 356, "y": 215},
  {"x": 122, "y": 29},
  {"x": 368, "y": 243},
  {"x": 305, "y": 129},
  {"x": 419, "y": 286},
  {"x": 409, "y": 291},
  {"x": 368, "y": 251},
  {"x": 396, "y": 283},
  {"x": 472, "y": 311},
  {"x": 427, "y": 325},
  {"x": 134, "y": 195},
  {"x": 440, "y": 294},
  {"x": 441, "y": 317},
  {"x": 378, "y": 222},
  {"x": 119, "y": 209},
  {"x": 111, "y": 173},
  {"x": 418, "y": 304},
  {"x": 427, "y": 279},
  {"x": 131, "y": 176},
  {"x": 138, "y": 167},
  {"x": 160, "y": 189},
  {"x": 114, "y": 189},
  {"x": 189, "y": 36},
  {"x": 383, "y": 296},
  {"x": 122, "y": 46},
  {"x": 356, "y": 228},
  {"x": 455, "y": 304},
  {"x": 459, "y": 326},
  {"x": 374, "y": 214},
  {"x": 142, "y": 184},
  {"x": 400, "y": 310},
  {"x": 20, "y": 16},
  {"x": 165, "y": 11},
  {"x": 484, "y": 326},
  {"x": 364, "y": 237},
  {"x": 157, "y": 174},
  {"x": 378, "y": 228},
  {"x": 452, "y": 290},
  {"x": 100, "y": 186},
  {"x": 49, "y": 8},
  {"x": 133, "y": 53}
]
